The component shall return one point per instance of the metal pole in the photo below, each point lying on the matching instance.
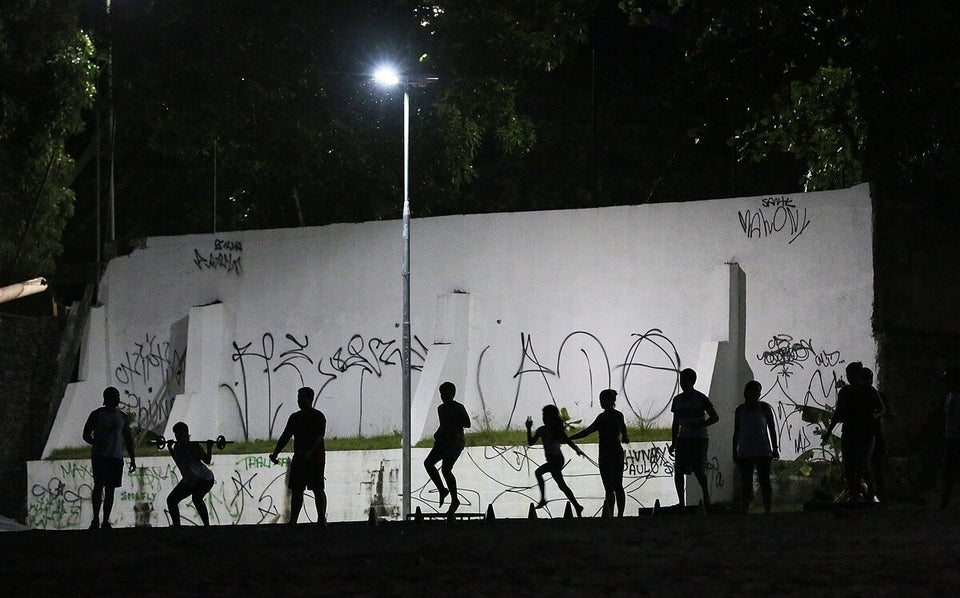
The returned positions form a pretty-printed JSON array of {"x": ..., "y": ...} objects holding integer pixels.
[
  {"x": 405, "y": 350},
  {"x": 99, "y": 191},
  {"x": 215, "y": 186},
  {"x": 111, "y": 128}
]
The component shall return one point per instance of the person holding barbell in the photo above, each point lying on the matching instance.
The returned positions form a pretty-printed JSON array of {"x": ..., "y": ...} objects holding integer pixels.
[
  {"x": 161, "y": 442},
  {"x": 196, "y": 479}
]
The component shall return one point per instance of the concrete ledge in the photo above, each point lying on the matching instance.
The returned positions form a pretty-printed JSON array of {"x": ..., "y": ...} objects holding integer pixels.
[{"x": 251, "y": 490}]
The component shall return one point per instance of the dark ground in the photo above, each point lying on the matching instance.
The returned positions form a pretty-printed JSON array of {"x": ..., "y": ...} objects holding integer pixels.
[{"x": 889, "y": 552}]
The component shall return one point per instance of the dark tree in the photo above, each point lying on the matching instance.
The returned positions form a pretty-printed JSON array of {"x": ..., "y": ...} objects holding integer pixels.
[
  {"x": 46, "y": 83},
  {"x": 853, "y": 90}
]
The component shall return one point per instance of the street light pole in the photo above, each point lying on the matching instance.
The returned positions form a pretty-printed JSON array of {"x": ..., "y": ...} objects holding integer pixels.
[
  {"x": 405, "y": 347},
  {"x": 111, "y": 129},
  {"x": 387, "y": 76}
]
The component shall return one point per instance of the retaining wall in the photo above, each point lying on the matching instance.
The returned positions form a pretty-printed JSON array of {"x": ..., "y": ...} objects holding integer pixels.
[
  {"x": 251, "y": 490},
  {"x": 519, "y": 310}
]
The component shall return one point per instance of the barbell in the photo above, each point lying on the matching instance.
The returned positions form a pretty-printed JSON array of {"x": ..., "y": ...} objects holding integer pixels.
[{"x": 162, "y": 442}]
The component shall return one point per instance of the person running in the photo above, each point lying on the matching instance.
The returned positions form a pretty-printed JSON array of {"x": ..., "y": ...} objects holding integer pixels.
[
  {"x": 447, "y": 444},
  {"x": 552, "y": 434},
  {"x": 107, "y": 430},
  {"x": 612, "y": 430},
  {"x": 307, "y": 428},
  {"x": 754, "y": 445},
  {"x": 858, "y": 408},
  {"x": 196, "y": 479},
  {"x": 692, "y": 414}
]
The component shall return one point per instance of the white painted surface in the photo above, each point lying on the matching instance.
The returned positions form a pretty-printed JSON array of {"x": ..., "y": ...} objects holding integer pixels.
[
  {"x": 249, "y": 489},
  {"x": 560, "y": 305}
]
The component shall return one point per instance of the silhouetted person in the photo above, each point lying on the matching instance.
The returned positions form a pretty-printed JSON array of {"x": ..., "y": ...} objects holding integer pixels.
[
  {"x": 552, "y": 434},
  {"x": 878, "y": 459},
  {"x": 108, "y": 430},
  {"x": 447, "y": 444},
  {"x": 611, "y": 428},
  {"x": 307, "y": 428},
  {"x": 858, "y": 409},
  {"x": 196, "y": 479},
  {"x": 754, "y": 445},
  {"x": 951, "y": 440},
  {"x": 692, "y": 413}
]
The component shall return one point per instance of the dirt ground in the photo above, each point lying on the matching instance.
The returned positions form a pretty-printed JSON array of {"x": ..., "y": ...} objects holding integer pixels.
[{"x": 909, "y": 551}]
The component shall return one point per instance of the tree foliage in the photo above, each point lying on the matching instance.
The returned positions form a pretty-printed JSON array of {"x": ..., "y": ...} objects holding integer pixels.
[
  {"x": 273, "y": 104},
  {"x": 302, "y": 135},
  {"x": 485, "y": 55},
  {"x": 854, "y": 89},
  {"x": 266, "y": 90},
  {"x": 560, "y": 105},
  {"x": 263, "y": 114},
  {"x": 46, "y": 83}
]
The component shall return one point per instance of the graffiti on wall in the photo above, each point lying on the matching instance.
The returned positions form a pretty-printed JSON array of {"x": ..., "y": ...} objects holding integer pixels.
[
  {"x": 251, "y": 490},
  {"x": 640, "y": 467},
  {"x": 58, "y": 503},
  {"x": 244, "y": 496},
  {"x": 804, "y": 376},
  {"x": 253, "y": 493},
  {"x": 585, "y": 354},
  {"x": 774, "y": 216},
  {"x": 149, "y": 375},
  {"x": 226, "y": 255},
  {"x": 260, "y": 365}
]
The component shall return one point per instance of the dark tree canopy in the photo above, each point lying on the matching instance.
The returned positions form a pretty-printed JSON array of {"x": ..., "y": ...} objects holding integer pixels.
[
  {"x": 853, "y": 90},
  {"x": 266, "y": 111},
  {"x": 46, "y": 82}
]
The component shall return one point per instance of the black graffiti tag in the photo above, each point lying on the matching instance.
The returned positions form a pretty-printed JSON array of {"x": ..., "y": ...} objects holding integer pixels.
[{"x": 781, "y": 216}]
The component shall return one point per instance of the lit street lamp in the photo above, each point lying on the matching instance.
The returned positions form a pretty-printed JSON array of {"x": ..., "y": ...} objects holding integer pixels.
[{"x": 388, "y": 77}]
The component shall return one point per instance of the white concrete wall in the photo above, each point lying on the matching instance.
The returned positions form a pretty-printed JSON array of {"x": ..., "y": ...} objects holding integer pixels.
[
  {"x": 541, "y": 307},
  {"x": 250, "y": 489}
]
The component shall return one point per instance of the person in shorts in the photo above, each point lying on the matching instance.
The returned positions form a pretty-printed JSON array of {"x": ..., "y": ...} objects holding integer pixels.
[
  {"x": 692, "y": 414},
  {"x": 108, "y": 432},
  {"x": 307, "y": 428},
  {"x": 196, "y": 479},
  {"x": 448, "y": 443}
]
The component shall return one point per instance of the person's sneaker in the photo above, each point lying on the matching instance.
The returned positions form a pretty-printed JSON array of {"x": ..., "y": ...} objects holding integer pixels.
[
  {"x": 94, "y": 524},
  {"x": 106, "y": 525}
]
